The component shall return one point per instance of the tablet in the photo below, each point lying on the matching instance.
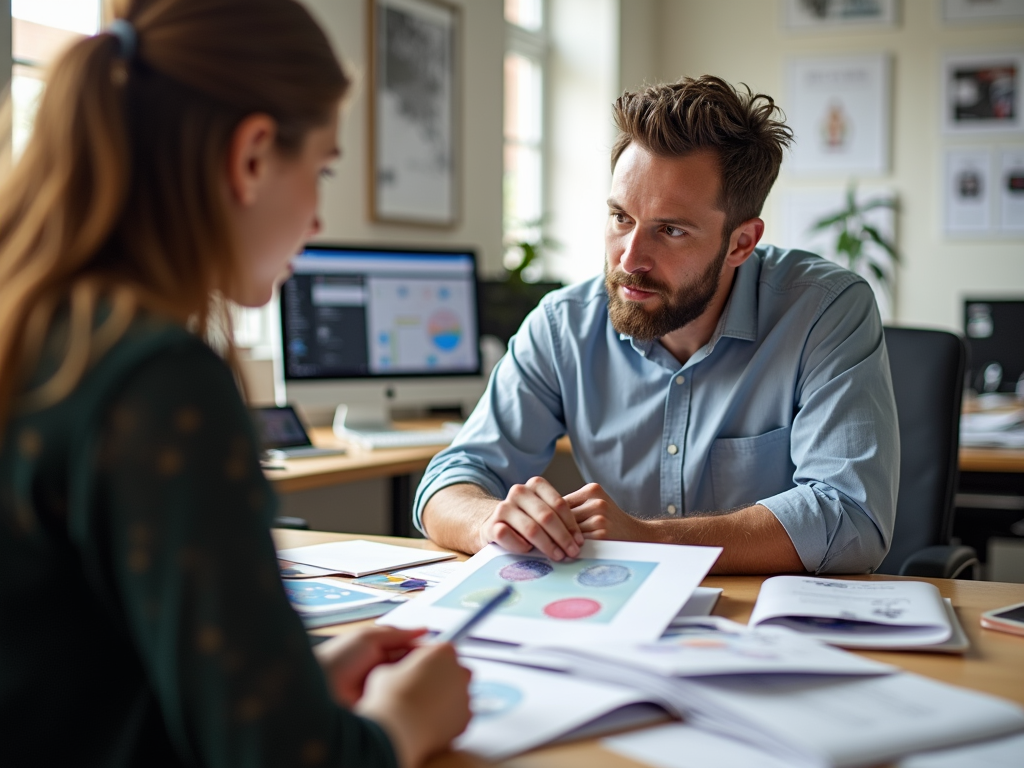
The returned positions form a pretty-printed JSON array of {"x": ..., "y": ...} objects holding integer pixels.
[{"x": 282, "y": 435}]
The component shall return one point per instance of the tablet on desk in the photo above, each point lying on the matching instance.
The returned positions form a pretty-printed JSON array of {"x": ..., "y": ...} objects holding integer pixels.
[{"x": 282, "y": 435}]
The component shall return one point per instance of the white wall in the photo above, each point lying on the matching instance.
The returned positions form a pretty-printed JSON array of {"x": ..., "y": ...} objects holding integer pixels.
[
  {"x": 742, "y": 41},
  {"x": 584, "y": 80},
  {"x": 345, "y": 204}
]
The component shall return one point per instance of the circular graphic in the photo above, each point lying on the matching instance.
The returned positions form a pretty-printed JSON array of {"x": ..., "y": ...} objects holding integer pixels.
[
  {"x": 572, "y": 608},
  {"x": 488, "y": 699},
  {"x": 481, "y": 596},
  {"x": 603, "y": 575},
  {"x": 445, "y": 329},
  {"x": 526, "y": 570}
]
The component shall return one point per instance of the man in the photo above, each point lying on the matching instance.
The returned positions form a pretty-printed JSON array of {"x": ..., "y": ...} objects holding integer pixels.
[{"x": 714, "y": 392}]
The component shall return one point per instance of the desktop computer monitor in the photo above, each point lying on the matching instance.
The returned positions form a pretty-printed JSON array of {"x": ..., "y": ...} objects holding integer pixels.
[
  {"x": 379, "y": 331},
  {"x": 994, "y": 329}
]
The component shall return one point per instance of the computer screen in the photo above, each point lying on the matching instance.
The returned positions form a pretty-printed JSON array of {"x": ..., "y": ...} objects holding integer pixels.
[
  {"x": 380, "y": 331},
  {"x": 994, "y": 329},
  {"x": 362, "y": 313}
]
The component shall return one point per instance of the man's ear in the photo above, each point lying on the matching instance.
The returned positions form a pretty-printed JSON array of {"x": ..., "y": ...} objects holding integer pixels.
[
  {"x": 249, "y": 154},
  {"x": 743, "y": 240}
]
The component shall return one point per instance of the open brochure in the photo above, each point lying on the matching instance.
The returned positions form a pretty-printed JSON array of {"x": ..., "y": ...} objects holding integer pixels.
[
  {"x": 322, "y": 602},
  {"x": 857, "y": 614},
  {"x": 806, "y": 720}
]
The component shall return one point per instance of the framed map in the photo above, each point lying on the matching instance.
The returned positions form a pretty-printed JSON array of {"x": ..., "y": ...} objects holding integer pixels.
[{"x": 413, "y": 108}]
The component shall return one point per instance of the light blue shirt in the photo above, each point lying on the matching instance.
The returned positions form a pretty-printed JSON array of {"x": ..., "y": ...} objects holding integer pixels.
[{"x": 789, "y": 405}]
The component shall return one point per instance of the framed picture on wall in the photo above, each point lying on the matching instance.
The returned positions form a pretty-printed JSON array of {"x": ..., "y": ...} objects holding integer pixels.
[
  {"x": 414, "y": 76},
  {"x": 819, "y": 14},
  {"x": 838, "y": 108},
  {"x": 982, "y": 10},
  {"x": 983, "y": 92}
]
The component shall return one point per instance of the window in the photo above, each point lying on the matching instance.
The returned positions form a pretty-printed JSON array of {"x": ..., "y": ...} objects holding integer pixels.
[
  {"x": 525, "y": 64},
  {"x": 41, "y": 29}
]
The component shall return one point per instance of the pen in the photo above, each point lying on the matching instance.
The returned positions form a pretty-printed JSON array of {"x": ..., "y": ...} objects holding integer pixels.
[{"x": 459, "y": 631}]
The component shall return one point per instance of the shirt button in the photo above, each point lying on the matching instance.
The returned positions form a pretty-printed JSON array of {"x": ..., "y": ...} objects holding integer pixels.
[
  {"x": 673, "y": 450},
  {"x": 680, "y": 379},
  {"x": 671, "y": 509}
]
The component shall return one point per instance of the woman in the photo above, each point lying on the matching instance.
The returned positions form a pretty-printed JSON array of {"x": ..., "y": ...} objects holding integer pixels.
[{"x": 175, "y": 159}]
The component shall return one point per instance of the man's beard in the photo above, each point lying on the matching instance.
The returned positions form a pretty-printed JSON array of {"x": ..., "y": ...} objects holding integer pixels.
[{"x": 677, "y": 309}]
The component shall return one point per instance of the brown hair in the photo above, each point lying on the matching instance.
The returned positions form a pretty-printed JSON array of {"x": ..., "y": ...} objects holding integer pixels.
[
  {"x": 708, "y": 114},
  {"x": 117, "y": 199}
]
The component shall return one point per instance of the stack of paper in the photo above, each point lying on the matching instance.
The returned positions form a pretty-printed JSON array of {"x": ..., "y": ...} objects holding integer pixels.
[
  {"x": 586, "y": 644},
  {"x": 861, "y": 614},
  {"x": 357, "y": 557},
  {"x": 1003, "y": 429}
]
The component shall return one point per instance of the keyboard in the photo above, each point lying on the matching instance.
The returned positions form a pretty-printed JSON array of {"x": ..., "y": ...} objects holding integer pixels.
[{"x": 401, "y": 438}]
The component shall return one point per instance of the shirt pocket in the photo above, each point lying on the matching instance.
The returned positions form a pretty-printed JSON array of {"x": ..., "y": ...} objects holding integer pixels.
[{"x": 745, "y": 469}]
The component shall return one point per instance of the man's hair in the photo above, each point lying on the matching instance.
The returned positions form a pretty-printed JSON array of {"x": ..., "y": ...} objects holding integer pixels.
[{"x": 708, "y": 114}]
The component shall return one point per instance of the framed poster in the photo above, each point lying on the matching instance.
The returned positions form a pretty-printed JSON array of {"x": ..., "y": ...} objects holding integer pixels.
[
  {"x": 983, "y": 92},
  {"x": 982, "y": 10},
  {"x": 820, "y": 14},
  {"x": 838, "y": 108},
  {"x": 414, "y": 91},
  {"x": 968, "y": 191},
  {"x": 1011, "y": 190}
]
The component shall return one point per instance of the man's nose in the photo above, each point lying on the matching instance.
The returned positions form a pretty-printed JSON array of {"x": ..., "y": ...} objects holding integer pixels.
[
  {"x": 634, "y": 258},
  {"x": 315, "y": 227}
]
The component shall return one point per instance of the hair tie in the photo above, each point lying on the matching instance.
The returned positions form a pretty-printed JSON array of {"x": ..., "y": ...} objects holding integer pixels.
[{"x": 127, "y": 39}]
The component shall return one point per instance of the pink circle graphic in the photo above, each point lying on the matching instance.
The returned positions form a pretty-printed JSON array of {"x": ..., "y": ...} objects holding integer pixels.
[{"x": 572, "y": 608}]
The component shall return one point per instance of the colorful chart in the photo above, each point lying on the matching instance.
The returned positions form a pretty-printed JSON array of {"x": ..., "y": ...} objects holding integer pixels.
[
  {"x": 445, "y": 329},
  {"x": 312, "y": 595},
  {"x": 585, "y": 590},
  {"x": 490, "y": 699}
]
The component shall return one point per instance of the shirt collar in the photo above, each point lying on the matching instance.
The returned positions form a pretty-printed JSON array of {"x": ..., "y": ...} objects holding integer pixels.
[
  {"x": 740, "y": 311},
  {"x": 739, "y": 317}
]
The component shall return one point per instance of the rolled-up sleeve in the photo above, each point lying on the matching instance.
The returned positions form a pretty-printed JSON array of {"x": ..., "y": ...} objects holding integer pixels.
[
  {"x": 844, "y": 442},
  {"x": 512, "y": 432}
]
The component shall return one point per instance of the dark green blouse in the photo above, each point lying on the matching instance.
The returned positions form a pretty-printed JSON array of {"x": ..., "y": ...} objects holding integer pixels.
[{"x": 142, "y": 618}]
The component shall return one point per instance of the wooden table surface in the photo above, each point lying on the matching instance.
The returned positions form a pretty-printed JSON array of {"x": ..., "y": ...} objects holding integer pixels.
[
  {"x": 361, "y": 464},
  {"x": 994, "y": 664}
]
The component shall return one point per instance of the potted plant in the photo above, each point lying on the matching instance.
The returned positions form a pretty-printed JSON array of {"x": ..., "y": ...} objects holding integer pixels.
[
  {"x": 505, "y": 303},
  {"x": 860, "y": 246}
]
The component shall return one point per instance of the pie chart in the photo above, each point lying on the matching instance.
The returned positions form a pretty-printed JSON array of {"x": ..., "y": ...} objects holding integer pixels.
[{"x": 445, "y": 329}]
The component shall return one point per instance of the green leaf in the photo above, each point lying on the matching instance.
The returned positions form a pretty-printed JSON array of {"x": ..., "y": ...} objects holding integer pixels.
[
  {"x": 876, "y": 236},
  {"x": 828, "y": 221}
]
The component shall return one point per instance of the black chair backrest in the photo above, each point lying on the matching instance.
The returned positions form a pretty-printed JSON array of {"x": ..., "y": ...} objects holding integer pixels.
[{"x": 928, "y": 380}]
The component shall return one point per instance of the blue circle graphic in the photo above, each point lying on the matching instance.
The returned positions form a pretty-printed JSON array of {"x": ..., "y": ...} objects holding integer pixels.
[{"x": 604, "y": 575}]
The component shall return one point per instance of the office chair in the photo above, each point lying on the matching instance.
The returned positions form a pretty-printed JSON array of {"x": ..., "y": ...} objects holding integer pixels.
[{"x": 928, "y": 378}]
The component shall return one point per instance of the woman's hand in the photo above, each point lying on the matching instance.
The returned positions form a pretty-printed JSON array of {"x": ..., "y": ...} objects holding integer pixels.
[
  {"x": 348, "y": 659},
  {"x": 422, "y": 702}
]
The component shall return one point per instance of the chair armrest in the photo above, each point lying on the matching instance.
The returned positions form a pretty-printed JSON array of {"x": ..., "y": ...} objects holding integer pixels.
[{"x": 942, "y": 562}]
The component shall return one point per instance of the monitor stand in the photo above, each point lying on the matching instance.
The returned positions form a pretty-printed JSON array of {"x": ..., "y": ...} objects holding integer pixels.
[
  {"x": 365, "y": 418},
  {"x": 371, "y": 429}
]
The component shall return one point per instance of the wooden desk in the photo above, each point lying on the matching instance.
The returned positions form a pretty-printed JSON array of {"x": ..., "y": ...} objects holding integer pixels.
[
  {"x": 992, "y": 460},
  {"x": 994, "y": 664},
  {"x": 359, "y": 464}
]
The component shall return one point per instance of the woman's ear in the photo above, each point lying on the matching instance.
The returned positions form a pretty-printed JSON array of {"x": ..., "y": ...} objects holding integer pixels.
[{"x": 250, "y": 153}]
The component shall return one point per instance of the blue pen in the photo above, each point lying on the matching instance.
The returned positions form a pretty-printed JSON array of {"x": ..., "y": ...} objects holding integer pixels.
[{"x": 459, "y": 631}]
